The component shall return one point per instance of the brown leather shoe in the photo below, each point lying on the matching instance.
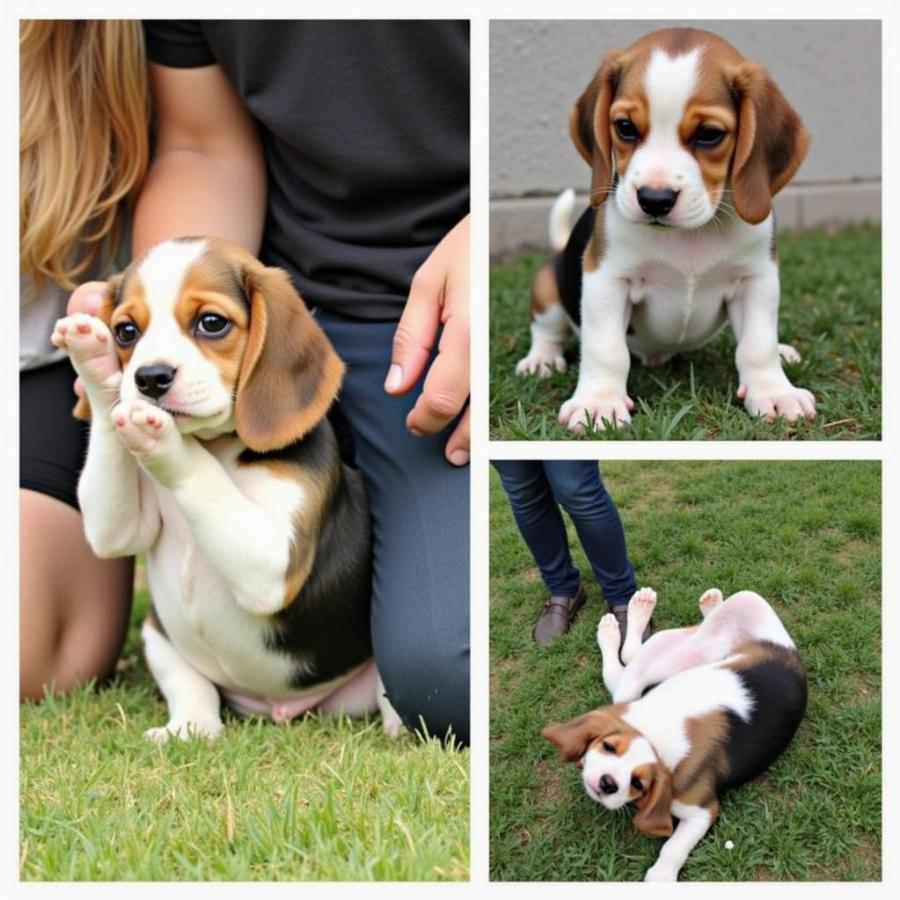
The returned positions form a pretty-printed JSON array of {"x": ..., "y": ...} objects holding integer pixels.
[
  {"x": 558, "y": 615},
  {"x": 621, "y": 614}
]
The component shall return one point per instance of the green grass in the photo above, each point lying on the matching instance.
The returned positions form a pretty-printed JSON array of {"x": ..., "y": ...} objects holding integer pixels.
[
  {"x": 320, "y": 798},
  {"x": 806, "y": 535},
  {"x": 830, "y": 311}
]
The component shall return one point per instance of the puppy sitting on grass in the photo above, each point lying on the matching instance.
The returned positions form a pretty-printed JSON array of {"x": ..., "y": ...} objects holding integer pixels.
[{"x": 208, "y": 381}]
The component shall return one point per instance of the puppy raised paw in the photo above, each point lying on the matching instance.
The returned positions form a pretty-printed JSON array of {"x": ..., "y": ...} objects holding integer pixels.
[{"x": 91, "y": 349}]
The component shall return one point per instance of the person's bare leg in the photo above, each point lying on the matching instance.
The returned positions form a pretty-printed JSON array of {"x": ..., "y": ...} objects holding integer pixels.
[{"x": 73, "y": 607}]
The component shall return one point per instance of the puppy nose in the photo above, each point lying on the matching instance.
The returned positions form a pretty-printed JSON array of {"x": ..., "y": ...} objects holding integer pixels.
[
  {"x": 154, "y": 381},
  {"x": 608, "y": 785},
  {"x": 656, "y": 201}
]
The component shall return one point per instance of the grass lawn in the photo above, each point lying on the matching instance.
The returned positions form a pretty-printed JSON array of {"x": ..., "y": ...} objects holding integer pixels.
[
  {"x": 830, "y": 311},
  {"x": 320, "y": 798},
  {"x": 805, "y": 535}
]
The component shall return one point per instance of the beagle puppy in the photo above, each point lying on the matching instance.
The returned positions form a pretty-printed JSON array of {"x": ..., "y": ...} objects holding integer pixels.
[
  {"x": 209, "y": 452},
  {"x": 724, "y": 702},
  {"x": 688, "y": 142}
]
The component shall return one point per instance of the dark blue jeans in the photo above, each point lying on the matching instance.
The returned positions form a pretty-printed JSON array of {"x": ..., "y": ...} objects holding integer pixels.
[
  {"x": 419, "y": 505},
  {"x": 536, "y": 489}
]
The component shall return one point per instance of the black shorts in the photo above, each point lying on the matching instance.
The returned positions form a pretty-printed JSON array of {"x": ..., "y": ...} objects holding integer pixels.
[{"x": 52, "y": 442}]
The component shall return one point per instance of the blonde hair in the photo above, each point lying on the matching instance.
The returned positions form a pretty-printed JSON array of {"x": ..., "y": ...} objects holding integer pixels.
[{"x": 83, "y": 143}]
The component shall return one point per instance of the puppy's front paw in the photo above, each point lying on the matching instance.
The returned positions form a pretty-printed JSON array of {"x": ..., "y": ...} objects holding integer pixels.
[
  {"x": 91, "y": 349},
  {"x": 185, "y": 729},
  {"x": 641, "y": 606},
  {"x": 608, "y": 634},
  {"x": 146, "y": 430},
  {"x": 542, "y": 359},
  {"x": 599, "y": 409},
  {"x": 661, "y": 872},
  {"x": 785, "y": 400}
]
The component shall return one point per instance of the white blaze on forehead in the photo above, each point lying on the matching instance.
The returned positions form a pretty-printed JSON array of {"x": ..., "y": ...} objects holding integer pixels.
[
  {"x": 162, "y": 273},
  {"x": 669, "y": 84}
]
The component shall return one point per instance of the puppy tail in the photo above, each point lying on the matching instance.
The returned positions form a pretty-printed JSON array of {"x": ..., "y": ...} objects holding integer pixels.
[{"x": 561, "y": 219}]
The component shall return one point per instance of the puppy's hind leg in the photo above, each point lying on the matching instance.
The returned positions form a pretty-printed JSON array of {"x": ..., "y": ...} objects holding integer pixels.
[
  {"x": 193, "y": 700},
  {"x": 391, "y": 723},
  {"x": 755, "y": 618}
]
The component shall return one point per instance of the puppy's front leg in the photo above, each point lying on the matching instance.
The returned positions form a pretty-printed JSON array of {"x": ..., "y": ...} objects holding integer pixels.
[
  {"x": 764, "y": 388},
  {"x": 120, "y": 514},
  {"x": 608, "y": 640},
  {"x": 249, "y": 547},
  {"x": 693, "y": 823},
  {"x": 601, "y": 398}
]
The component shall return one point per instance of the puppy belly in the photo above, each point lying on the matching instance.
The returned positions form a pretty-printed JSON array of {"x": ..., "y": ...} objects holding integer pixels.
[
  {"x": 352, "y": 696},
  {"x": 666, "y": 323}
]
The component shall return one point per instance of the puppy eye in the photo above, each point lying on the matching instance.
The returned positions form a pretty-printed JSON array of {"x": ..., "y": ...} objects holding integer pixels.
[
  {"x": 126, "y": 333},
  {"x": 608, "y": 747},
  {"x": 708, "y": 136},
  {"x": 212, "y": 325},
  {"x": 636, "y": 783},
  {"x": 626, "y": 130}
]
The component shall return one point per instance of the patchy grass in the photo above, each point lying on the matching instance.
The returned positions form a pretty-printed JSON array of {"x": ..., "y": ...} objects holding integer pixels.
[
  {"x": 806, "y": 535},
  {"x": 830, "y": 311},
  {"x": 320, "y": 798}
]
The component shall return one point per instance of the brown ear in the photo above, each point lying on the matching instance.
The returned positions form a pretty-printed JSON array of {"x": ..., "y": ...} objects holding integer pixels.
[
  {"x": 82, "y": 408},
  {"x": 654, "y": 815},
  {"x": 572, "y": 738},
  {"x": 289, "y": 373},
  {"x": 771, "y": 143},
  {"x": 589, "y": 125}
]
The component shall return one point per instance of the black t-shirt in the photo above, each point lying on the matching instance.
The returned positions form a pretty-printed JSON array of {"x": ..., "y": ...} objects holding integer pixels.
[{"x": 365, "y": 129}]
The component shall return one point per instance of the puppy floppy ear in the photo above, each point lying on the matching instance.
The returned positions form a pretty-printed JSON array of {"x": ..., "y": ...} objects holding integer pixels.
[
  {"x": 289, "y": 373},
  {"x": 82, "y": 408},
  {"x": 654, "y": 815},
  {"x": 589, "y": 125},
  {"x": 771, "y": 143},
  {"x": 572, "y": 738}
]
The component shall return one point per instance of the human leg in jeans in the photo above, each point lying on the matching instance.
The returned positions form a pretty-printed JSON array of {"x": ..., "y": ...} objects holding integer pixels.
[
  {"x": 578, "y": 488},
  {"x": 542, "y": 528},
  {"x": 419, "y": 504},
  {"x": 536, "y": 489}
]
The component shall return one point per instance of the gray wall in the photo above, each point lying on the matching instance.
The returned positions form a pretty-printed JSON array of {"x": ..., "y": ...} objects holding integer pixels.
[{"x": 830, "y": 71}]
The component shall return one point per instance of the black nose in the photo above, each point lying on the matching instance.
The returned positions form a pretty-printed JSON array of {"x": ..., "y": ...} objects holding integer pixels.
[
  {"x": 154, "y": 381},
  {"x": 656, "y": 201},
  {"x": 608, "y": 785}
]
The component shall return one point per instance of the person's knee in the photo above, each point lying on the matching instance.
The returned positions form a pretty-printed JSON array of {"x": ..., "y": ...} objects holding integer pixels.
[
  {"x": 428, "y": 687},
  {"x": 70, "y": 663}
]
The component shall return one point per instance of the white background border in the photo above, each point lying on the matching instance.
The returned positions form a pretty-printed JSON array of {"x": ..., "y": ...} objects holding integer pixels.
[{"x": 479, "y": 13}]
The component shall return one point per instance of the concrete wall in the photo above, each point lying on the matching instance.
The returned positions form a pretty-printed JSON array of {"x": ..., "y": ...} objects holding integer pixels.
[{"x": 830, "y": 71}]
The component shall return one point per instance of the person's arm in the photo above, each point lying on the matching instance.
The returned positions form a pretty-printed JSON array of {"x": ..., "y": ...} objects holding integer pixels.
[{"x": 207, "y": 175}]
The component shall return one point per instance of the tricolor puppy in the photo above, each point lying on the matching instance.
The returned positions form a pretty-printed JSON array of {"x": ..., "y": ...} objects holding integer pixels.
[
  {"x": 687, "y": 143},
  {"x": 728, "y": 697},
  {"x": 209, "y": 381}
]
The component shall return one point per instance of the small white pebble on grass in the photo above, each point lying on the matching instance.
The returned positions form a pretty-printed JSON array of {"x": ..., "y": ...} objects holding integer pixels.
[{"x": 729, "y": 845}]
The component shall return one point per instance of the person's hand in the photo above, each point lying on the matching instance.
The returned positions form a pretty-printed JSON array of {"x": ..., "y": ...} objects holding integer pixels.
[
  {"x": 85, "y": 298},
  {"x": 438, "y": 296}
]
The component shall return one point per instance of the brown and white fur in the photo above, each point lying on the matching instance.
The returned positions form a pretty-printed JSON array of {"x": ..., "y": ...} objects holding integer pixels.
[
  {"x": 687, "y": 143},
  {"x": 208, "y": 382},
  {"x": 725, "y": 700}
]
